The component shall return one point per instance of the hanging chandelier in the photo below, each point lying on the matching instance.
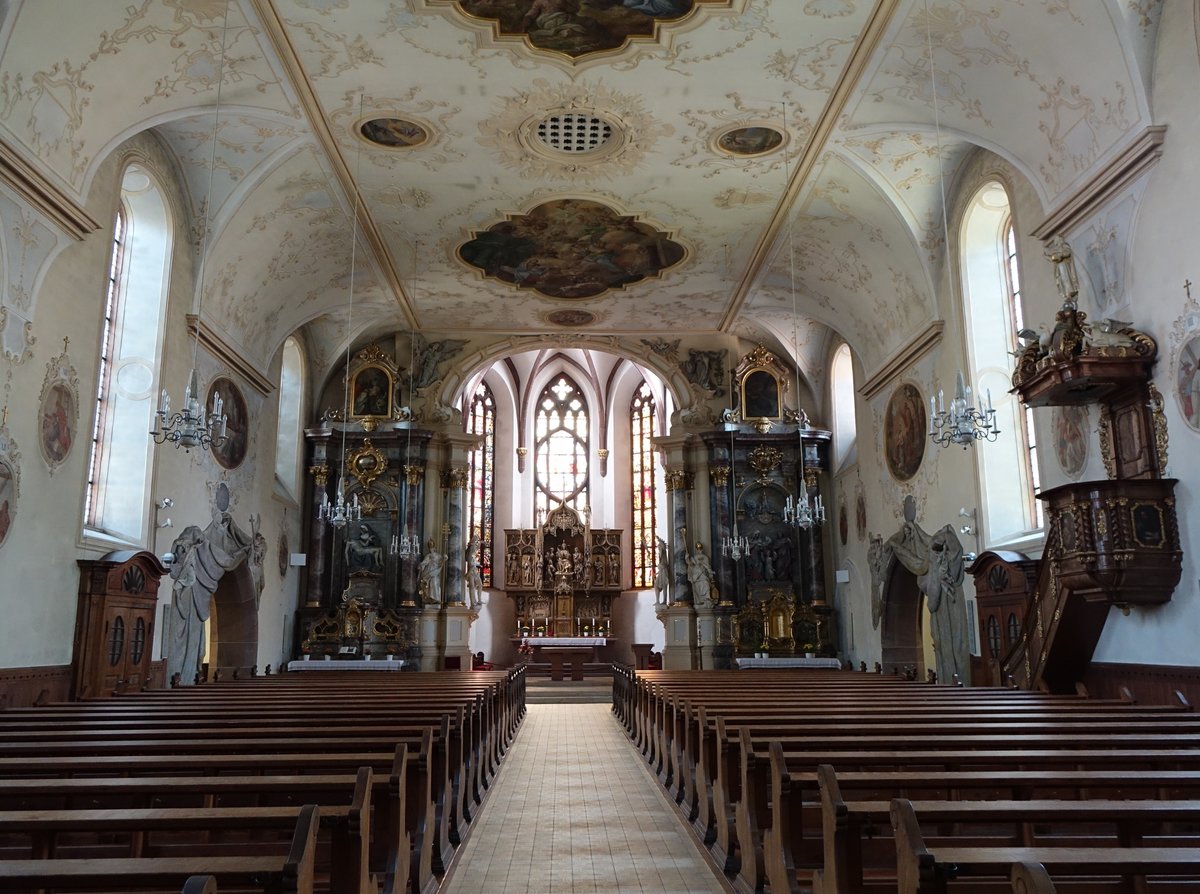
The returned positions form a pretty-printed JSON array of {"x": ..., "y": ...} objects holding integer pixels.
[
  {"x": 193, "y": 426},
  {"x": 406, "y": 544},
  {"x": 962, "y": 424},
  {"x": 341, "y": 511}
]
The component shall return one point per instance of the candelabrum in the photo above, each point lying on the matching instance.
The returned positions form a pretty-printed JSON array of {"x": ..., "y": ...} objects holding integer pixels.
[
  {"x": 341, "y": 512},
  {"x": 961, "y": 424},
  {"x": 801, "y": 512},
  {"x": 734, "y": 547},
  {"x": 405, "y": 546},
  {"x": 191, "y": 427}
]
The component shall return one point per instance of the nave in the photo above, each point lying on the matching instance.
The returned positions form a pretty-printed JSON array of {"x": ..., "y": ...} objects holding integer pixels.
[{"x": 574, "y": 812}]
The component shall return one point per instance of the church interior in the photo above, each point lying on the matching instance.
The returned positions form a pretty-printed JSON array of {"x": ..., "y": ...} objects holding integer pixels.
[{"x": 857, "y": 347}]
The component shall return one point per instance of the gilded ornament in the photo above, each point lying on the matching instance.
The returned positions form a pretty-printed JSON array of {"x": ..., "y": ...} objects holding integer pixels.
[
  {"x": 320, "y": 474},
  {"x": 371, "y": 501},
  {"x": 413, "y": 475},
  {"x": 1106, "y": 445},
  {"x": 720, "y": 475},
  {"x": 810, "y": 477},
  {"x": 1160, "y": 426},
  {"x": 765, "y": 459},
  {"x": 762, "y": 424},
  {"x": 366, "y": 463},
  {"x": 455, "y": 478},
  {"x": 677, "y": 479}
]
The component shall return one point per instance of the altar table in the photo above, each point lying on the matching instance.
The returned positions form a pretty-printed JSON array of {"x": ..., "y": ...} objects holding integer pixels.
[
  {"x": 788, "y": 662},
  {"x": 354, "y": 664}
]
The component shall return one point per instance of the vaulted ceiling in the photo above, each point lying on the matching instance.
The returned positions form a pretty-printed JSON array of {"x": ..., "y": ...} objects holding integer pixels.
[{"x": 573, "y": 142}]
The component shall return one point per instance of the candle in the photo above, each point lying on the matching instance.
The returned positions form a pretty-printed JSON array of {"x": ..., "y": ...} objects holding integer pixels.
[
  {"x": 941, "y": 401},
  {"x": 164, "y": 403},
  {"x": 932, "y": 412}
]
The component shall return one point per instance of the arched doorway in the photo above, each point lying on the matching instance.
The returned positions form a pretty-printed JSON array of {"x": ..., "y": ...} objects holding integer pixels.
[
  {"x": 233, "y": 631},
  {"x": 900, "y": 627}
]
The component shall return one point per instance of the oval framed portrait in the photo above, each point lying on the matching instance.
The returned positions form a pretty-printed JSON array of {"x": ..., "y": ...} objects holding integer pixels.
[
  {"x": 8, "y": 498},
  {"x": 230, "y": 453},
  {"x": 904, "y": 432},
  {"x": 1187, "y": 381},
  {"x": 56, "y": 423}
]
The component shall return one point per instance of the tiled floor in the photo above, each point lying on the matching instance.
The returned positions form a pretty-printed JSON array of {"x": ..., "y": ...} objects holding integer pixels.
[{"x": 572, "y": 811}]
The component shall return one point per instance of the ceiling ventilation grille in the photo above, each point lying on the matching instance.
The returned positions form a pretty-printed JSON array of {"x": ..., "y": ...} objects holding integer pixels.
[{"x": 574, "y": 133}]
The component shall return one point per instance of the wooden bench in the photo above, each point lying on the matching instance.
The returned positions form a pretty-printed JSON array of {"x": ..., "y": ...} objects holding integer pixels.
[
  {"x": 289, "y": 873},
  {"x": 844, "y": 823},
  {"x": 921, "y": 870}
]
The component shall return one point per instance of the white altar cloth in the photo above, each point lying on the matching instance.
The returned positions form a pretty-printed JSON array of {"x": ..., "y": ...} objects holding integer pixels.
[
  {"x": 355, "y": 664},
  {"x": 567, "y": 640},
  {"x": 788, "y": 662}
]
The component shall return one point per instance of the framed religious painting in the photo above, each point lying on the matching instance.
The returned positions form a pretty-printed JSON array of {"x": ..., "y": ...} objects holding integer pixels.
[
  {"x": 904, "y": 424},
  {"x": 8, "y": 498},
  {"x": 371, "y": 391},
  {"x": 58, "y": 410},
  {"x": 230, "y": 453},
  {"x": 761, "y": 381}
]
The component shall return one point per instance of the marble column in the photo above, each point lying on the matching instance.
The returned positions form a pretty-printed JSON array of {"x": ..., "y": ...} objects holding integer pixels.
[
  {"x": 317, "y": 561},
  {"x": 677, "y": 489},
  {"x": 414, "y": 508},
  {"x": 454, "y": 483}
]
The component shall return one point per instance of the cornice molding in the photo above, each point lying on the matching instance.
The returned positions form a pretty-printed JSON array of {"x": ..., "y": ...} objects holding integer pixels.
[
  {"x": 1140, "y": 155},
  {"x": 32, "y": 186},
  {"x": 864, "y": 47},
  {"x": 289, "y": 58},
  {"x": 216, "y": 344},
  {"x": 917, "y": 348}
]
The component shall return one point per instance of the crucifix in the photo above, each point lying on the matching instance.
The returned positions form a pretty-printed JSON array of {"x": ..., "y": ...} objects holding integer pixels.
[{"x": 1187, "y": 287}]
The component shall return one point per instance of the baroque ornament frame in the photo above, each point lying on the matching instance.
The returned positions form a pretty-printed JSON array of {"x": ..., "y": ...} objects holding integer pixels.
[{"x": 60, "y": 373}]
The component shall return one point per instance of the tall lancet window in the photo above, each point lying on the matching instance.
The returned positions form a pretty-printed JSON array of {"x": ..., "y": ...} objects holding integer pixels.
[
  {"x": 561, "y": 446},
  {"x": 482, "y": 421},
  {"x": 119, "y": 468},
  {"x": 643, "y": 427}
]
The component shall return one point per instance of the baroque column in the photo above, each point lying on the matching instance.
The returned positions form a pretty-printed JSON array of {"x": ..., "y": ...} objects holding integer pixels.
[{"x": 318, "y": 534}]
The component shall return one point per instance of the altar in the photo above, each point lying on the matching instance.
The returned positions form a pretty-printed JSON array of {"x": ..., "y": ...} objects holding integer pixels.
[{"x": 563, "y": 576}]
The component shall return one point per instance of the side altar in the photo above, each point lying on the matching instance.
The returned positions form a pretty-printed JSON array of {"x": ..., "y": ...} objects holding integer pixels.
[{"x": 563, "y": 575}]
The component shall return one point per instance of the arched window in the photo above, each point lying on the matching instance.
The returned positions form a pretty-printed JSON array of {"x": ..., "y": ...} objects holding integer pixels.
[
  {"x": 993, "y": 312},
  {"x": 643, "y": 427},
  {"x": 115, "y": 504},
  {"x": 287, "y": 432},
  {"x": 845, "y": 425},
  {"x": 561, "y": 447},
  {"x": 482, "y": 421}
]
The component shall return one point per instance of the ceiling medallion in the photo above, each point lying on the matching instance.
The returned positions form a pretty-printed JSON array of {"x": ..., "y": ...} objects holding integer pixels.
[
  {"x": 571, "y": 132},
  {"x": 746, "y": 141},
  {"x": 571, "y": 317},
  {"x": 574, "y": 133},
  {"x": 571, "y": 248},
  {"x": 393, "y": 133}
]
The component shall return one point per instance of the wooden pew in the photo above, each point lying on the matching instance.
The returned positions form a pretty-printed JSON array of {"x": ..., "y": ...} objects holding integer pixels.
[
  {"x": 349, "y": 829},
  {"x": 921, "y": 870},
  {"x": 290, "y": 873},
  {"x": 844, "y": 822}
]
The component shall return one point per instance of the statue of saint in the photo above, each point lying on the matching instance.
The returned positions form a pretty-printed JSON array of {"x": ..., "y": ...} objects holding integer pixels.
[
  {"x": 474, "y": 578},
  {"x": 662, "y": 574},
  {"x": 700, "y": 575},
  {"x": 200, "y": 560},
  {"x": 429, "y": 573}
]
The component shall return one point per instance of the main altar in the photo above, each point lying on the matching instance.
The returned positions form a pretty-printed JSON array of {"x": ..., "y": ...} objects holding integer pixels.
[{"x": 563, "y": 575}]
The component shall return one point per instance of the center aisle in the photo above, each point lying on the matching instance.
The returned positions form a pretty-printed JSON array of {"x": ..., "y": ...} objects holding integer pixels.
[{"x": 573, "y": 810}]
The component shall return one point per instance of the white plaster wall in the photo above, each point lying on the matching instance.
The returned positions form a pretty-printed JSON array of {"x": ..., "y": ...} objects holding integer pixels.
[{"x": 37, "y": 561}]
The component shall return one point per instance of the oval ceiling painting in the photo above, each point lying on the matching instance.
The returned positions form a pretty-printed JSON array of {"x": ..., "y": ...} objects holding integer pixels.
[
  {"x": 750, "y": 140},
  {"x": 578, "y": 27},
  {"x": 394, "y": 133},
  {"x": 571, "y": 317},
  {"x": 571, "y": 248}
]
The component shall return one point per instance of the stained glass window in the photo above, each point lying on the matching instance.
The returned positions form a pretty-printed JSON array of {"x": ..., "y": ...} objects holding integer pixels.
[
  {"x": 561, "y": 446},
  {"x": 481, "y": 499},
  {"x": 643, "y": 427}
]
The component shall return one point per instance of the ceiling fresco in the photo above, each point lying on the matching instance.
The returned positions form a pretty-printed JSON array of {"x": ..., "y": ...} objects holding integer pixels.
[
  {"x": 790, "y": 145},
  {"x": 578, "y": 27},
  {"x": 571, "y": 248}
]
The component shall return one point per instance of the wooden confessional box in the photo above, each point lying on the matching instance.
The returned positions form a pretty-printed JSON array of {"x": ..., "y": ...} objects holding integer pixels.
[{"x": 114, "y": 624}]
